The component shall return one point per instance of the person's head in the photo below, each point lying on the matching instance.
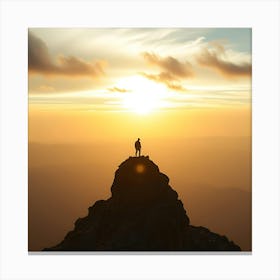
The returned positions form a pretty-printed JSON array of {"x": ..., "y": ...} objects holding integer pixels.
[{"x": 138, "y": 139}]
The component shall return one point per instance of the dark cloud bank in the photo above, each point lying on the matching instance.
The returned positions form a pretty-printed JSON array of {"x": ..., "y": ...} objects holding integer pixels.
[{"x": 40, "y": 62}]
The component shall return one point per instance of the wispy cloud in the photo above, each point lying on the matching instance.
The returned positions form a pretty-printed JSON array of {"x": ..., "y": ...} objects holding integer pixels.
[
  {"x": 165, "y": 78},
  {"x": 170, "y": 65},
  {"x": 117, "y": 89},
  {"x": 214, "y": 56},
  {"x": 40, "y": 62},
  {"x": 172, "y": 70}
]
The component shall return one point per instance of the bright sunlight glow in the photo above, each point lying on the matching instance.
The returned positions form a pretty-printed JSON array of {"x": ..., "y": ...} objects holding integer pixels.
[{"x": 142, "y": 96}]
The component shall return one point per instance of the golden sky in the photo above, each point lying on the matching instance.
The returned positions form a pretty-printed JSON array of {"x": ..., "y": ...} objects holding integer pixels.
[{"x": 140, "y": 70}]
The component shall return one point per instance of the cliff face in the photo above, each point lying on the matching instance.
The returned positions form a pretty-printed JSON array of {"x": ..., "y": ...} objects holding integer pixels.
[{"x": 143, "y": 214}]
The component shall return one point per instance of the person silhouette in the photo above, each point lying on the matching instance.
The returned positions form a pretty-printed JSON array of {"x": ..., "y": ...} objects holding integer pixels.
[{"x": 137, "y": 147}]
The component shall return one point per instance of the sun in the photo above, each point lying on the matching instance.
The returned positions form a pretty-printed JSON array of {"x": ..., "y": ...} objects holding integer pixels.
[{"x": 142, "y": 96}]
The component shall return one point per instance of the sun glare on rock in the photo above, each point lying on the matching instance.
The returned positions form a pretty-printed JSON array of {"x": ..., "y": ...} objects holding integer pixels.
[{"x": 140, "y": 168}]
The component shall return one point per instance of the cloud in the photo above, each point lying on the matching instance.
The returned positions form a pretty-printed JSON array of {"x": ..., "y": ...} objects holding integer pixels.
[
  {"x": 170, "y": 65},
  {"x": 165, "y": 78},
  {"x": 214, "y": 56},
  {"x": 116, "y": 89},
  {"x": 40, "y": 62},
  {"x": 173, "y": 71}
]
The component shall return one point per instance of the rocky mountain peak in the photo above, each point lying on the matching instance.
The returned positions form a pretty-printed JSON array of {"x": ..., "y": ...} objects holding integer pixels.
[{"x": 143, "y": 214}]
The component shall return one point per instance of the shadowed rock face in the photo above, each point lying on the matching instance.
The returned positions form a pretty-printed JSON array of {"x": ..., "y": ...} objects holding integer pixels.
[{"x": 143, "y": 214}]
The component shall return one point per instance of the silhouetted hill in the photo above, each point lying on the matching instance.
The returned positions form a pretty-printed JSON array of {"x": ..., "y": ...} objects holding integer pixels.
[{"x": 143, "y": 214}]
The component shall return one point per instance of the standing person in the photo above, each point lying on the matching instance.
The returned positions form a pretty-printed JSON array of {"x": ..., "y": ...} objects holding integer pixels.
[{"x": 137, "y": 147}]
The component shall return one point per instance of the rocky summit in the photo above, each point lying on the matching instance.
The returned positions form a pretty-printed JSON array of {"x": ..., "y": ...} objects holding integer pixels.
[{"x": 143, "y": 214}]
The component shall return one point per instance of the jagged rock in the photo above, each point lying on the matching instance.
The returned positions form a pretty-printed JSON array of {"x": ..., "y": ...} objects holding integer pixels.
[{"x": 143, "y": 214}]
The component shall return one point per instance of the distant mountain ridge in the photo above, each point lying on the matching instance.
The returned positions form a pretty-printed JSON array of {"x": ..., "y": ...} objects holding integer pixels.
[{"x": 143, "y": 214}]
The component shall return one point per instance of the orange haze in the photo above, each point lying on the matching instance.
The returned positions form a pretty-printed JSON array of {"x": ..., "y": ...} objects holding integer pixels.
[{"x": 206, "y": 153}]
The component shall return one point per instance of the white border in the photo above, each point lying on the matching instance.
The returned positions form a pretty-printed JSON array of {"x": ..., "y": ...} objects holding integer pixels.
[{"x": 262, "y": 16}]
